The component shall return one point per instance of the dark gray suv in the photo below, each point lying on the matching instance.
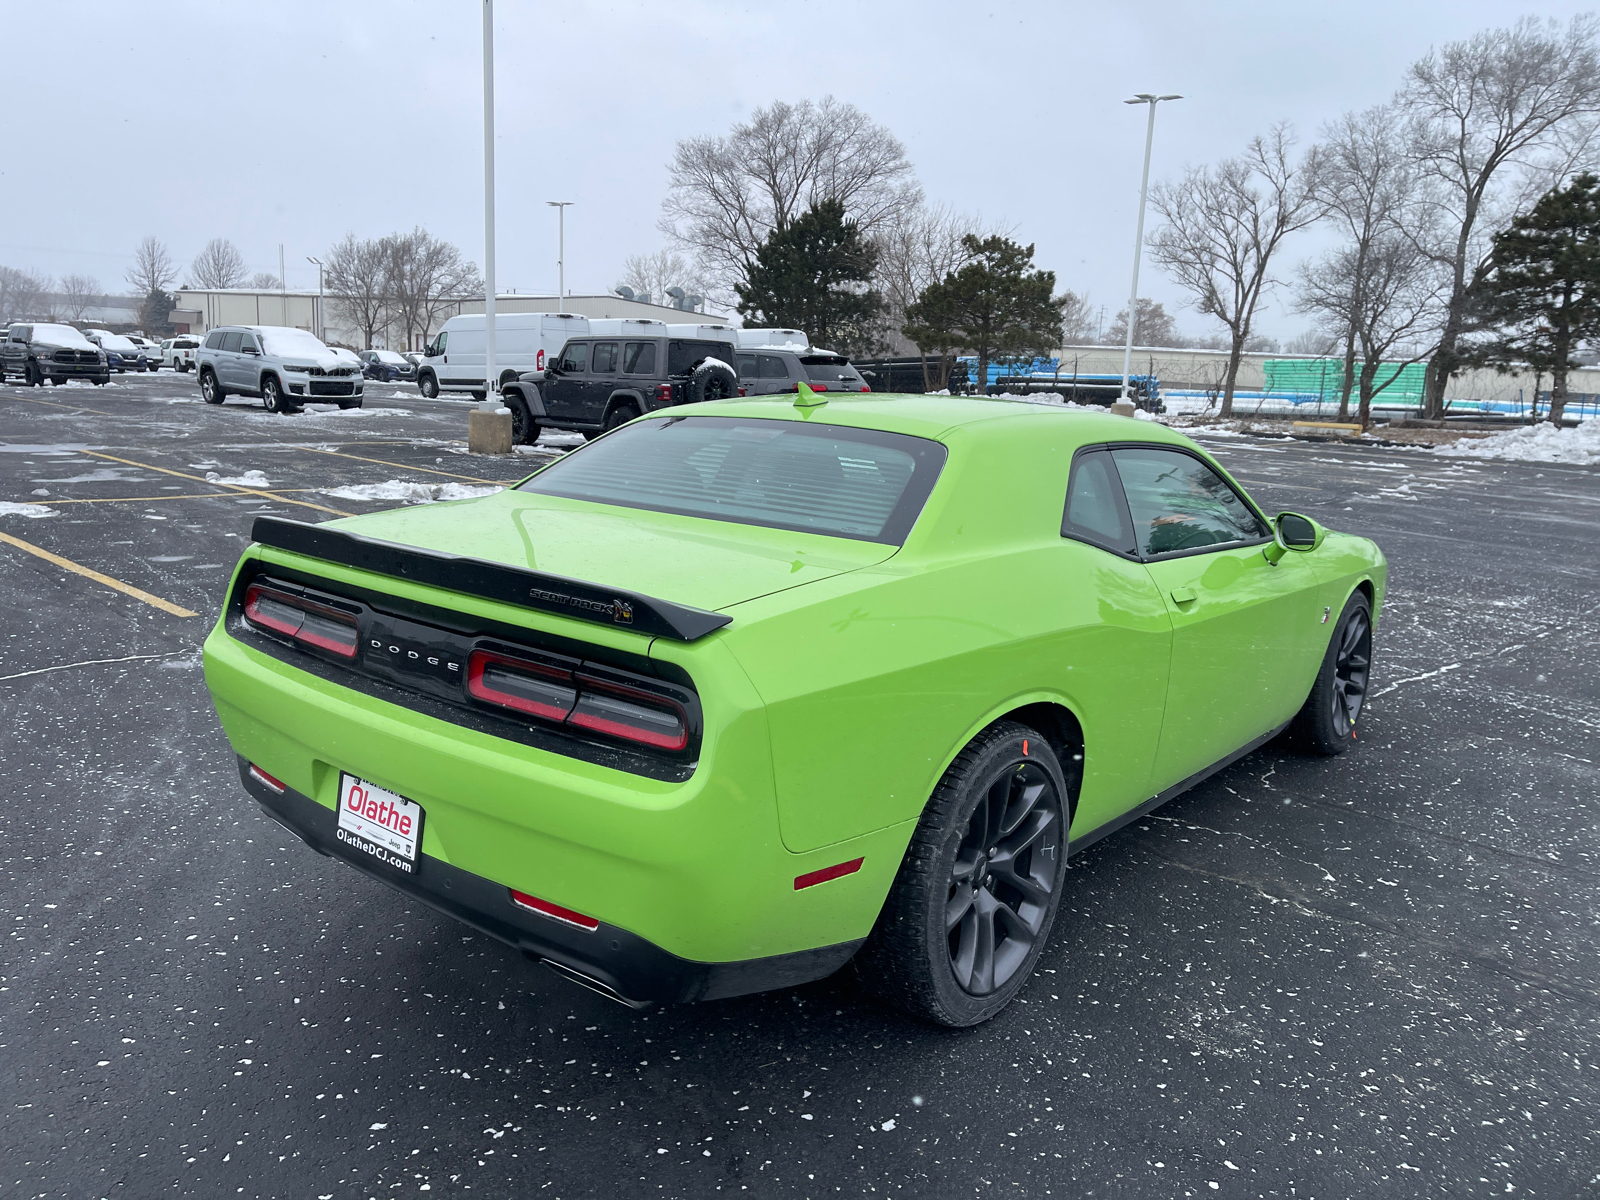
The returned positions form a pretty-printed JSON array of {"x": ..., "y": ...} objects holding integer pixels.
[
  {"x": 766, "y": 370},
  {"x": 601, "y": 381}
]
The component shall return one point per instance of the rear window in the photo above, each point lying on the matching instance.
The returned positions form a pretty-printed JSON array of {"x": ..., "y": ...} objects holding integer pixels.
[
  {"x": 830, "y": 369},
  {"x": 683, "y": 355},
  {"x": 863, "y": 484}
]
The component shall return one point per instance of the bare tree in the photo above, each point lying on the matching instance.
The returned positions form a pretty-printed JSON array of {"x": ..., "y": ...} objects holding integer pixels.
[
  {"x": 919, "y": 246},
  {"x": 1494, "y": 118},
  {"x": 653, "y": 274},
  {"x": 22, "y": 294},
  {"x": 78, "y": 292},
  {"x": 1313, "y": 341},
  {"x": 1154, "y": 326},
  {"x": 264, "y": 281},
  {"x": 219, "y": 265},
  {"x": 152, "y": 269},
  {"x": 1078, "y": 320},
  {"x": 1224, "y": 224},
  {"x": 357, "y": 278},
  {"x": 728, "y": 193},
  {"x": 424, "y": 276}
]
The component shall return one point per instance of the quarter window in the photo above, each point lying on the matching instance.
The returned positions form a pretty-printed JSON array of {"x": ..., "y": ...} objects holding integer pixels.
[
  {"x": 639, "y": 358},
  {"x": 772, "y": 367},
  {"x": 747, "y": 366},
  {"x": 1095, "y": 511},
  {"x": 1178, "y": 503},
  {"x": 604, "y": 359}
]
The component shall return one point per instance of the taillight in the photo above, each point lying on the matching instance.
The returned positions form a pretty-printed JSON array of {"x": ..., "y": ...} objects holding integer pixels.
[
  {"x": 741, "y": 389},
  {"x": 621, "y": 711},
  {"x": 663, "y": 393},
  {"x": 815, "y": 387},
  {"x": 306, "y": 621},
  {"x": 523, "y": 900},
  {"x": 865, "y": 388},
  {"x": 538, "y": 361},
  {"x": 540, "y": 689}
]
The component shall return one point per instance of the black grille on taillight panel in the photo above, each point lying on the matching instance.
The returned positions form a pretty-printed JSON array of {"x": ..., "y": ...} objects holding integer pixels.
[{"x": 584, "y": 701}]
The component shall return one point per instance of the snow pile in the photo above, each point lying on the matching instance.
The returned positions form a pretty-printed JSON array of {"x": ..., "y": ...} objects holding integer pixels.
[
  {"x": 1534, "y": 443},
  {"x": 10, "y": 509},
  {"x": 409, "y": 493},
  {"x": 253, "y": 479}
]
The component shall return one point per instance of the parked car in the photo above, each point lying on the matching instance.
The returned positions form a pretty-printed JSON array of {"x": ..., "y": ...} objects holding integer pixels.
[
  {"x": 123, "y": 354},
  {"x": 386, "y": 366},
  {"x": 599, "y": 382},
  {"x": 179, "y": 352},
  {"x": 39, "y": 350},
  {"x": 454, "y": 360},
  {"x": 771, "y": 369},
  {"x": 703, "y": 708},
  {"x": 149, "y": 351},
  {"x": 285, "y": 367}
]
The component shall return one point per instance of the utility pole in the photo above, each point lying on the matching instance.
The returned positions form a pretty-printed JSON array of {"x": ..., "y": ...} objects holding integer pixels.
[
  {"x": 561, "y": 247},
  {"x": 322, "y": 326},
  {"x": 1124, "y": 404},
  {"x": 488, "y": 199},
  {"x": 283, "y": 286}
]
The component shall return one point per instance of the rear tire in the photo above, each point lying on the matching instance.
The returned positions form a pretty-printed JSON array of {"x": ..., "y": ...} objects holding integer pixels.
[
  {"x": 211, "y": 391},
  {"x": 978, "y": 890},
  {"x": 1326, "y": 723},
  {"x": 480, "y": 397},
  {"x": 621, "y": 414}
]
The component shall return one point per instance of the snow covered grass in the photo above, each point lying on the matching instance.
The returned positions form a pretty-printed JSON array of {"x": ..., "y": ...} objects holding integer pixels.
[
  {"x": 253, "y": 479},
  {"x": 10, "y": 509},
  {"x": 1534, "y": 443},
  {"x": 407, "y": 492}
]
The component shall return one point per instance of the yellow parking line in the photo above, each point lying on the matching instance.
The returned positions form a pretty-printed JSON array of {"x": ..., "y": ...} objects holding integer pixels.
[
  {"x": 115, "y": 584},
  {"x": 146, "y": 499},
  {"x": 233, "y": 486},
  {"x": 404, "y": 466}
]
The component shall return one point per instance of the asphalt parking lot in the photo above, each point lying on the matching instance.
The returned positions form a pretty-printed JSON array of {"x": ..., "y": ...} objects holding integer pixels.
[{"x": 1377, "y": 975}]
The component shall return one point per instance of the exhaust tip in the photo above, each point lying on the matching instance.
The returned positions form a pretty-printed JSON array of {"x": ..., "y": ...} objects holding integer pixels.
[{"x": 594, "y": 985}]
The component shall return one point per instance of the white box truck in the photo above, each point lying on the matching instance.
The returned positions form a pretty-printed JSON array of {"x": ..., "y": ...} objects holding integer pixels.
[{"x": 454, "y": 361}]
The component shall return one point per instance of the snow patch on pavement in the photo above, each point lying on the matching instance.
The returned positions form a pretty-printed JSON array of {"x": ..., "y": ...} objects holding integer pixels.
[
  {"x": 409, "y": 493},
  {"x": 11, "y": 509},
  {"x": 253, "y": 479},
  {"x": 1534, "y": 443}
]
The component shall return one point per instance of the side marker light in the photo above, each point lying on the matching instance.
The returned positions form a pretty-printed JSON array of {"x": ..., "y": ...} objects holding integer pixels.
[
  {"x": 545, "y": 908},
  {"x": 276, "y": 785},
  {"x": 812, "y": 878}
]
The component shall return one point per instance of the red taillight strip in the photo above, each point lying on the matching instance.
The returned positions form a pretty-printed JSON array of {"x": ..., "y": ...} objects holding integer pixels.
[
  {"x": 544, "y": 907},
  {"x": 255, "y": 593},
  {"x": 480, "y": 690},
  {"x": 812, "y": 878},
  {"x": 633, "y": 733},
  {"x": 252, "y": 609},
  {"x": 275, "y": 784}
]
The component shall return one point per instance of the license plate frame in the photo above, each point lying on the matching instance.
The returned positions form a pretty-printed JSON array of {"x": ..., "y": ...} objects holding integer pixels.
[{"x": 379, "y": 824}]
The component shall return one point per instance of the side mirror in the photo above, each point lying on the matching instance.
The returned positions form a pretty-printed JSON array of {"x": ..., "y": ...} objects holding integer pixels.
[
  {"x": 252, "y": 350},
  {"x": 1293, "y": 532}
]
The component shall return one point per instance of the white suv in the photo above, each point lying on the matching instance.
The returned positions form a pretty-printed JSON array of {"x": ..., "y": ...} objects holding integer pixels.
[{"x": 285, "y": 367}]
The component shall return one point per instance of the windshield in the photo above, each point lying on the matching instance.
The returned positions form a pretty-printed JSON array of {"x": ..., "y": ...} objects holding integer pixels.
[
  {"x": 62, "y": 335},
  {"x": 853, "y": 483},
  {"x": 291, "y": 343}
]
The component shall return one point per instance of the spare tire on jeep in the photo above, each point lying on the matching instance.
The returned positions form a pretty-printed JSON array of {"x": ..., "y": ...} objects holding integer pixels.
[{"x": 713, "y": 379}]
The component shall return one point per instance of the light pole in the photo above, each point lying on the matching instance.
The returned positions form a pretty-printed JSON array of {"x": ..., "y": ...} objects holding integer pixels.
[
  {"x": 488, "y": 199},
  {"x": 561, "y": 247},
  {"x": 322, "y": 328},
  {"x": 1124, "y": 405}
]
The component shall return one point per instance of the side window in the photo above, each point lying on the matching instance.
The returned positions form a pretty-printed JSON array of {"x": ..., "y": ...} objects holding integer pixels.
[
  {"x": 1095, "y": 512},
  {"x": 230, "y": 341},
  {"x": 247, "y": 343},
  {"x": 772, "y": 367},
  {"x": 214, "y": 340},
  {"x": 747, "y": 367},
  {"x": 639, "y": 358},
  {"x": 1179, "y": 503},
  {"x": 441, "y": 343},
  {"x": 604, "y": 359},
  {"x": 575, "y": 358}
]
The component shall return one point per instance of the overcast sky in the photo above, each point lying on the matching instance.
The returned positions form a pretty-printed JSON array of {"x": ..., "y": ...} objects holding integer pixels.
[{"x": 294, "y": 122}]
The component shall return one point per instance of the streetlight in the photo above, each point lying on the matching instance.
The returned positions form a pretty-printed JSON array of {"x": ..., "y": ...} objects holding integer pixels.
[
  {"x": 488, "y": 200},
  {"x": 322, "y": 329},
  {"x": 561, "y": 248},
  {"x": 1124, "y": 405}
]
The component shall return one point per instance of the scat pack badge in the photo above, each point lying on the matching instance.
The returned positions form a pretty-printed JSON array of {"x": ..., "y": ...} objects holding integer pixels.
[{"x": 620, "y": 611}]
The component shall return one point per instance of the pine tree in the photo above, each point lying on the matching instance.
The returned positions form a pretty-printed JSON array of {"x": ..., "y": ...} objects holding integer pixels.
[
  {"x": 155, "y": 314},
  {"x": 1540, "y": 288},
  {"x": 812, "y": 275},
  {"x": 997, "y": 306}
]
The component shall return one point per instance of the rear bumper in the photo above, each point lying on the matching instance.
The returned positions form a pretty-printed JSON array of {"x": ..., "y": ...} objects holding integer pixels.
[{"x": 634, "y": 969}]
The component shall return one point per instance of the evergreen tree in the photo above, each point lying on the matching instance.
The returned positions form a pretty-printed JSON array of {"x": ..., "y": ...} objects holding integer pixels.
[
  {"x": 812, "y": 275},
  {"x": 1539, "y": 291},
  {"x": 997, "y": 306},
  {"x": 155, "y": 314}
]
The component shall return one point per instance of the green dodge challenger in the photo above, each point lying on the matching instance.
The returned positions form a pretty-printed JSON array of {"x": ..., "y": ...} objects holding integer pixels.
[{"x": 744, "y": 691}]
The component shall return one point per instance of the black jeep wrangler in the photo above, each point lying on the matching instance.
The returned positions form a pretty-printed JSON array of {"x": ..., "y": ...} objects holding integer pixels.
[{"x": 598, "y": 382}]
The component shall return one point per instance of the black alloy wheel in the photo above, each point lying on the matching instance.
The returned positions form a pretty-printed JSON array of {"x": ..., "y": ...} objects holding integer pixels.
[
  {"x": 1326, "y": 723},
  {"x": 622, "y": 414},
  {"x": 978, "y": 890}
]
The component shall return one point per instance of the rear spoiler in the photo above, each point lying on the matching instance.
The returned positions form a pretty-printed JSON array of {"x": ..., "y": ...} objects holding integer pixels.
[{"x": 491, "y": 581}]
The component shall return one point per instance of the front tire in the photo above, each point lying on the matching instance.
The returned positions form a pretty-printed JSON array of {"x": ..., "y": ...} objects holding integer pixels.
[
  {"x": 272, "y": 395},
  {"x": 1326, "y": 723},
  {"x": 428, "y": 385},
  {"x": 978, "y": 890},
  {"x": 211, "y": 391}
]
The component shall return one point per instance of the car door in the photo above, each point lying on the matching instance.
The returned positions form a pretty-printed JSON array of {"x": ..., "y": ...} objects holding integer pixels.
[
  {"x": 247, "y": 362},
  {"x": 563, "y": 392},
  {"x": 228, "y": 356},
  {"x": 1240, "y": 623},
  {"x": 602, "y": 380}
]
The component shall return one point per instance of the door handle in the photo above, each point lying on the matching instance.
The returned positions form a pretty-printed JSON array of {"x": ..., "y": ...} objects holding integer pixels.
[{"x": 1183, "y": 595}]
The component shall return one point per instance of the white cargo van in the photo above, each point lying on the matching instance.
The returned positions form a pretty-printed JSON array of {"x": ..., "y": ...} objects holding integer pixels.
[
  {"x": 454, "y": 360},
  {"x": 783, "y": 339}
]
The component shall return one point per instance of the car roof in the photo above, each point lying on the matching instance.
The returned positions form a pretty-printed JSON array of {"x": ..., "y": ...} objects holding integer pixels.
[{"x": 934, "y": 417}]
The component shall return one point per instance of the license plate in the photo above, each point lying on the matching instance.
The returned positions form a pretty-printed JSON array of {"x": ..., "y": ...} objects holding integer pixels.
[{"x": 379, "y": 823}]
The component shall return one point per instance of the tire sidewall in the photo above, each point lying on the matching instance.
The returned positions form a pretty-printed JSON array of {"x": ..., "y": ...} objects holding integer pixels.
[
  {"x": 428, "y": 385},
  {"x": 210, "y": 388},
  {"x": 700, "y": 382},
  {"x": 271, "y": 395},
  {"x": 1322, "y": 731}
]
